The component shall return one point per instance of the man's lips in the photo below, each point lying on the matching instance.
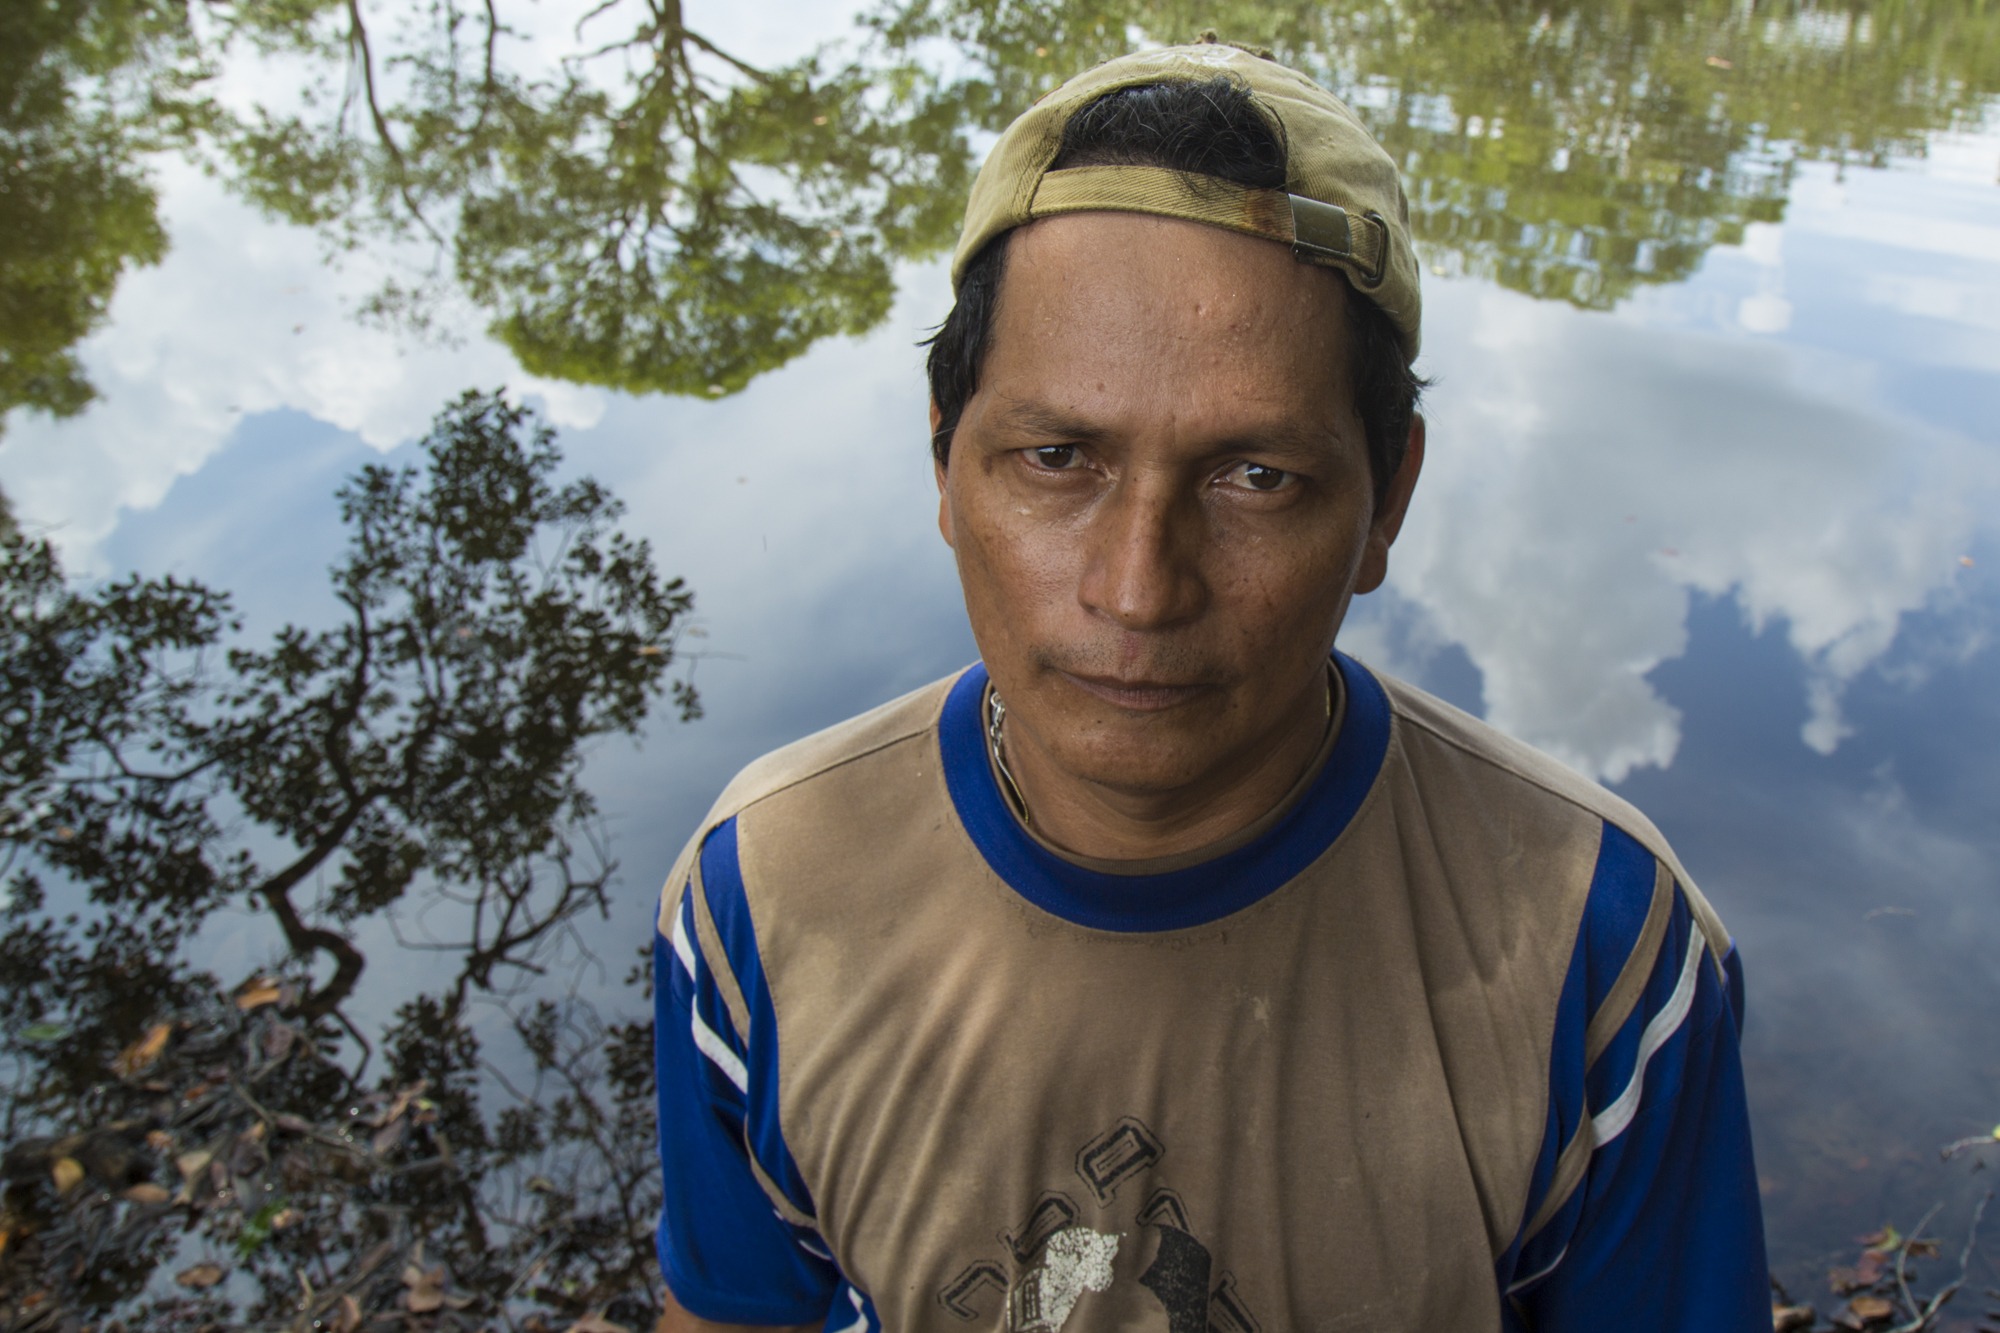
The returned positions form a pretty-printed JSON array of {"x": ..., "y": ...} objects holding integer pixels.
[{"x": 1137, "y": 696}]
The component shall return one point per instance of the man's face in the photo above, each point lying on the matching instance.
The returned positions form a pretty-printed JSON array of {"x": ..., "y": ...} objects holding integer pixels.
[{"x": 1159, "y": 499}]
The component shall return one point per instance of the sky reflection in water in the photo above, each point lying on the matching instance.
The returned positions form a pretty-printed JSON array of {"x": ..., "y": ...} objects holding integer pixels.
[{"x": 1709, "y": 545}]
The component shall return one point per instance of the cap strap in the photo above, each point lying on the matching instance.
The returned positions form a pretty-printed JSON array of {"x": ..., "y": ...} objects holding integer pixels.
[{"x": 1318, "y": 232}]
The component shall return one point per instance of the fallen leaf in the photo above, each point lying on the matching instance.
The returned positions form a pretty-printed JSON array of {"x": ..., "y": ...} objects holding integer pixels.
[
  {"x": 159, "y": 1140},
  {"x": 1717, "y": 62},
  {"x": 1870, "y": 1269},
  {"x": 147, "y": 1193},
  {"x": 283, "y": 1218},
  {"x": 388, "y": 1137},
  {"x": 39, "y": 1032},
  {"x": 293, "y": 1124},
  {"x": 68, "y": 1173},
  {"x": 140, "y": 1055},
  {"x": 1922, "y": 1249},
  {"x": 349, "y": 1318},
  {"x": 190, "y": 1164},
  {"x": 1870, "y": 1308},
  {"x": 201, "y": 1275},
  {"x": 426, "y": 1288},
  {"x": 258, "y": 992},
  {"x": 1789, "y": 1318}
]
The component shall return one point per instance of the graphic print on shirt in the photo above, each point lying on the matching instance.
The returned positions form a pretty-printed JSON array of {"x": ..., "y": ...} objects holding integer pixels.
[{"x": 1053, "y": 1258}]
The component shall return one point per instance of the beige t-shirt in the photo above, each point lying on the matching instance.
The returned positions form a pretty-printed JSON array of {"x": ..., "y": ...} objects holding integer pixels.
[{"x": 1301, "y": 1083}]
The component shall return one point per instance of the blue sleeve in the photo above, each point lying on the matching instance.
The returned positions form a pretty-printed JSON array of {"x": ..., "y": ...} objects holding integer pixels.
[
  {"x": 727, "y": 1253},
  {"x": 1643, "y": 1214}
]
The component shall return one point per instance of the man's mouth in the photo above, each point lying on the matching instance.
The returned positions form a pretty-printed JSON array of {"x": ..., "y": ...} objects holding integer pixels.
[{"x": 1136, "y": 696}]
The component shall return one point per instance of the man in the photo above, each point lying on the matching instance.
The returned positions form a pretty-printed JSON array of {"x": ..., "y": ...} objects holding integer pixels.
[{"x": 1169, "y": 970}]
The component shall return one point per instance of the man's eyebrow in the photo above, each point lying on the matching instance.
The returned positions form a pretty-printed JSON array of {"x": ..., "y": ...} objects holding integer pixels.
[
  {"x": 1027, "y": 417},
  {"x": 1040, "y": 420}
]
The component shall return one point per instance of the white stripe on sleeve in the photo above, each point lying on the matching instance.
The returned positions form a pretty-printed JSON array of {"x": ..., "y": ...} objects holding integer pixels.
[
  {"x": 1609, "y": 1123},
  {"x": 719, "y": 1054},
  {"x": 860, "y": 1324},
  {"x": 682, "y": 946},
  {"x": 706, "y": 1039}
]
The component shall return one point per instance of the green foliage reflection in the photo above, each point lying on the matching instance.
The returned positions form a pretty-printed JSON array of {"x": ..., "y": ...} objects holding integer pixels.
[
  {"x": 84, "y": 89},
  {"x": 1569, "y": 150},
  {"x": 654, "y": 213}
]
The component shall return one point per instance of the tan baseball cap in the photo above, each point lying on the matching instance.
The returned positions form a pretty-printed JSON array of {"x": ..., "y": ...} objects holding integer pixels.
[{"x": 1342, "y": 205}]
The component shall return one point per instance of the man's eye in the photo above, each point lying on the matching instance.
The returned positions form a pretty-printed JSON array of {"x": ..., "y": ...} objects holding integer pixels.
[
  {"x": 1257, "y": 477},
  {"x": 1055, "y": 457}
]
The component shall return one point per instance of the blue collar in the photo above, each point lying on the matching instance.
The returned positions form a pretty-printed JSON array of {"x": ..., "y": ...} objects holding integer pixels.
[{"x": 1178, "y": 899}]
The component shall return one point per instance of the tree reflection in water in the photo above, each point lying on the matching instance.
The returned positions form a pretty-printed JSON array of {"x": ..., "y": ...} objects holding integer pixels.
[
  {"x": 653, "y": 214},
  {"x": 417, "y": 764}
]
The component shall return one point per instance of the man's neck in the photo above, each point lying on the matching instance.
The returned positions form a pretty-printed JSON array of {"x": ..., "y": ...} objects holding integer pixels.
[{"x": 1089, "y": 819}]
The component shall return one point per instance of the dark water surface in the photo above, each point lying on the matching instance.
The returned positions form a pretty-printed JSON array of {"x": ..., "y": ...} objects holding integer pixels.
[{"x": 1710, "y": 511}]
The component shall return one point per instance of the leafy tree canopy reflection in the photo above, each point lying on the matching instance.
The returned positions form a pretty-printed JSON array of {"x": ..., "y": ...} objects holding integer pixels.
[
  {"x": 654, "y": 213},
  {"x": 1569, "y": 150}
]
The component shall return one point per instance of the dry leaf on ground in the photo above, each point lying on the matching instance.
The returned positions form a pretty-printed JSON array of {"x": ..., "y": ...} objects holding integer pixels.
[
  {"x": 1871, "y": 1308},
  {"x": 201, "y": 1275},
  {"x": 258, "y": 992},
  {"x": 141, "y": 1053}
]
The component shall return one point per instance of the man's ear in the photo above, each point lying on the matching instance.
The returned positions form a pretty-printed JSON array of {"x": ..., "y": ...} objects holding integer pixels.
[
  {"x": 937, "y": 470},
  {"x": 1389, "y": 518}
]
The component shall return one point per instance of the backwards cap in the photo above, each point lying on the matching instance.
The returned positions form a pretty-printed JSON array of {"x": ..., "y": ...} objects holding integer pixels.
[{"x": 1342, "y": 205}]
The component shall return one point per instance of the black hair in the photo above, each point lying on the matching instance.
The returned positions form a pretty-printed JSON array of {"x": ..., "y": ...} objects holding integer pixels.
[{"x": 1206, "y": 128}]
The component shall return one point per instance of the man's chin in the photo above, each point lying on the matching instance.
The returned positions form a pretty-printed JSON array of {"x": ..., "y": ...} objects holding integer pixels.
[{"x": 1139, "y": 768}]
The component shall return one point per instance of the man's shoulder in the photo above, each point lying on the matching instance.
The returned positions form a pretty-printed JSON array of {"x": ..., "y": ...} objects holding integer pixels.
[
  {"x": 823, "y": 752},
  {"x": 833, "y": 749},
  {"x": 816, "y": 757},
  {"x": 1434, "y": 735},
  {"x": 1434, "y": 729}
]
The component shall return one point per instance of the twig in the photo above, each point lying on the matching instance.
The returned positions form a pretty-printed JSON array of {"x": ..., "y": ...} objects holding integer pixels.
[
  {"x": 358, "y": 34},
  {"x": 1929, "y": 1311},
  {"x": 1903, "y": 1255}
]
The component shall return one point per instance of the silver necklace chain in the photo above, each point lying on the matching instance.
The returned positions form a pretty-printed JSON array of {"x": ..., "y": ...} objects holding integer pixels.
[{"x": 996, "y": 718}]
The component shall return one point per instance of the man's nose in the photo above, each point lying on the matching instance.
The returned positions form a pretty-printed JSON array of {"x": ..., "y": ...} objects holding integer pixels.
[{"x": 1142, "y": 570}]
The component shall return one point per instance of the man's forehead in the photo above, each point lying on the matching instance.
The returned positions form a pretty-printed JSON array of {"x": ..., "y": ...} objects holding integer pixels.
[
  {"x": 1022, "y": 414},
  {"x": 1162, "y": 279}
]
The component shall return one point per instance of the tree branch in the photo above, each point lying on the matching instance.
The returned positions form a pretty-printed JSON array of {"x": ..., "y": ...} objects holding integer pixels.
[{"x": 358, "y": 38}]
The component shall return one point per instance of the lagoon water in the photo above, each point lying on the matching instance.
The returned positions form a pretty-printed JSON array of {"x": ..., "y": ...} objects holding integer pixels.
[{"x": 1712, "y": 512}]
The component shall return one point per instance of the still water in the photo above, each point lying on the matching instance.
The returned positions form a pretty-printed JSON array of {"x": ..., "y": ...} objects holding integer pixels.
[{"x": 1711, "y": 512}]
